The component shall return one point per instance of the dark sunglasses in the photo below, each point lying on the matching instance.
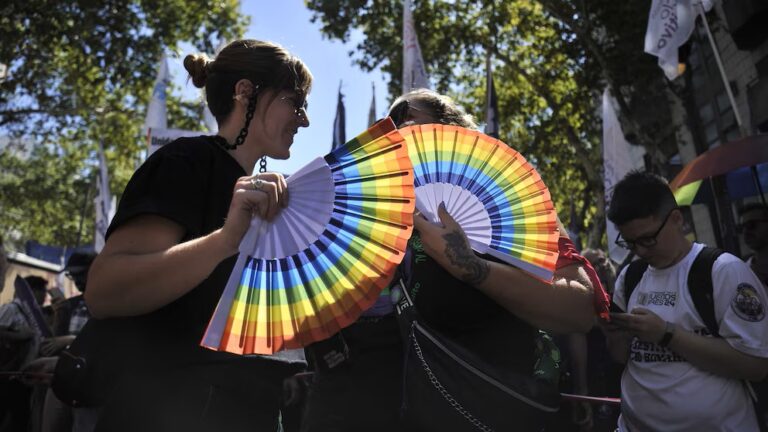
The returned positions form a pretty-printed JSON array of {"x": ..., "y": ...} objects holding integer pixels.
[
  {"x": 399, "y": 113},
  {"x": 644, "y": 241},
  {"x": 300, "y": 105}
]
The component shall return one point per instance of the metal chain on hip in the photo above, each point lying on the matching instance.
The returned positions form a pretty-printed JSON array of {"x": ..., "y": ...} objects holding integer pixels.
[{"x": 442, "y": 390}]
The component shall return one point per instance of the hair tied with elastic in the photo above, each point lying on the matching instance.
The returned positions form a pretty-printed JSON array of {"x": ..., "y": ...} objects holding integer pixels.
[{"x": 197, "y": 65}]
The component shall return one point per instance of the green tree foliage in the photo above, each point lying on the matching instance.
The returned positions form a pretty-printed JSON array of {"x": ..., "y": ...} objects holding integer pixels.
[
  {"x": 552, "y": 59},
  {"x": 81, "y": 72}
]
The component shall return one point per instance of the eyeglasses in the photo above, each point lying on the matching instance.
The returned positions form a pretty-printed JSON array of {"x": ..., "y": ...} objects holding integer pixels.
[
  {"x": 644, "y": 241},
  {"x": 749, "y": 225},
  {"x": 300, "y": 105}
]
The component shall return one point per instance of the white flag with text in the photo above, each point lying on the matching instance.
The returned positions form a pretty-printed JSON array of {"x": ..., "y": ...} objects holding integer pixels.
[{"x": 670, "y": 24}]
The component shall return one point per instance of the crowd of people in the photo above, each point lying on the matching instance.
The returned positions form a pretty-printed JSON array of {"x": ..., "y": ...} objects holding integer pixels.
[
  {"x": 173, "y": 242},
  {"x": 29, "y": 355}
]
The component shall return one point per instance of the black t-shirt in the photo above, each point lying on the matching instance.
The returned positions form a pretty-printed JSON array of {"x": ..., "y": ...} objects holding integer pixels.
[
  {"x": 467, "y": 315},
  {"x": 189, "y": 181}
]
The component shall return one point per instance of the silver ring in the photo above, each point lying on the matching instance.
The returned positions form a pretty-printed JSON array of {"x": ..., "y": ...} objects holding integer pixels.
[{"x": 257, "y": 183}]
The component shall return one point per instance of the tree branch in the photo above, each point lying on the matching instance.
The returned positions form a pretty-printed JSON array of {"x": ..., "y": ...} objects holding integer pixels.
[
  {"x": 626, "y": 117},
  {"x": 580, "y": 148}
]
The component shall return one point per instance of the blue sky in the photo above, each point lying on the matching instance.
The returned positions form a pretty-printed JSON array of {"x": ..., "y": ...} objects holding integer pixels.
[{"x": 288, "y": 23}]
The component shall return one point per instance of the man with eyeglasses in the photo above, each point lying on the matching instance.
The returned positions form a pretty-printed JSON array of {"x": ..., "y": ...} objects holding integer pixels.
[
  {"x": 678, "y": 376},
  {"x": 753, "y": 225}
]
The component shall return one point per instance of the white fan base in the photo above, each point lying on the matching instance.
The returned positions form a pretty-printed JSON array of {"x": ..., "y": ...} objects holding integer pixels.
[
  {"x": 462, "y": 205},
  {"x": 311, "y": 193}
]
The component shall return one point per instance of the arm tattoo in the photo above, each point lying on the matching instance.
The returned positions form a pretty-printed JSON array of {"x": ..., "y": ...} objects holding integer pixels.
[{"x": 475, "y": 269}]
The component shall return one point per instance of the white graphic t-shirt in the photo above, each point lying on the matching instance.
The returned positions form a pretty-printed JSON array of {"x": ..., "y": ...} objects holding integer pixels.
[{"x": 661, "y": 391}]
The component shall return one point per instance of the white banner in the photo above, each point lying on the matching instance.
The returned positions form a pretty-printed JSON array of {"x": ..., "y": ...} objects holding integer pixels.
[
  {"x": 619, "y": 158},
  {"x": 670, "y": 24},
  {"x": 414, "y": 72},
  {"x": 156, "y": 110},
  {"x": 157, "y": 138},
  {"x": 104, "y": 203}
]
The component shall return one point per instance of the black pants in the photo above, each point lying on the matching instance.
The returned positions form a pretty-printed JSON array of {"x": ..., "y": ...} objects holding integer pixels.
[
  {"x": 365, "y": 393},
  {"x": 219, "y": 397}
]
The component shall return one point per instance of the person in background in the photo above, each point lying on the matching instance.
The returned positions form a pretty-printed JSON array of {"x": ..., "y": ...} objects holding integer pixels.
[
  {"x": 74, "y": 314},
  {"x": 753, "y": 226},
  {"x": 18, "y": 322},
  {"x": 601, "y": 376},
  {"x": 16, "y": 339},
  {"x": 678, "y": 377},
  {"x": 34, "y": 367},
  {"x": 587, "y": 367}
]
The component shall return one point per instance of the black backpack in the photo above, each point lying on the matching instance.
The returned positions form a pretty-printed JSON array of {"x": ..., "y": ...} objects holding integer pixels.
[{"x": 701, "y": 290}]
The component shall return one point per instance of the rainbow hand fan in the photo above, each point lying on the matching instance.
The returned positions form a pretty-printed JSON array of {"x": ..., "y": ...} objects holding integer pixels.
[
  {"x": 494, "y": 194},
  {"x": 326, "y": 257}
]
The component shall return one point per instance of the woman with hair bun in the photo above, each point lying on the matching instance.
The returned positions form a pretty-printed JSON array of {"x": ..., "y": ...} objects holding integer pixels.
[{"x": 173, "y": 243}]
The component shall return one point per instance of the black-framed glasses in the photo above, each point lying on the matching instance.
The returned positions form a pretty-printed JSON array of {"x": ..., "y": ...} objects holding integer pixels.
[
  {"x": 644, "y": 241},
  {"x": 300, "y": 105}
]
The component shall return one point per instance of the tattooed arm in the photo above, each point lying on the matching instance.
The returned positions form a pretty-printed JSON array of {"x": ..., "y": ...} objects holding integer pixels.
[{"x": 563, "y": 306}]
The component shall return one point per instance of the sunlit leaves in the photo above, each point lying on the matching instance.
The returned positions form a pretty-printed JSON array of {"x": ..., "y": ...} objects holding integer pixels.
[{"x": 81, "y": 73}]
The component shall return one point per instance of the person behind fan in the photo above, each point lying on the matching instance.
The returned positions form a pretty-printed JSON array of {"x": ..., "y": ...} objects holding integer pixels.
[
  {"x": 492, "y": 308},
  {"x": 173, "y": 243}
]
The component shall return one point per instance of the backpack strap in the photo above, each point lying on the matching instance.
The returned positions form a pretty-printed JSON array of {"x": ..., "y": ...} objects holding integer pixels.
[
  {"x": 635, "y": 271},
  {"x": 701, "y": 289}
]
